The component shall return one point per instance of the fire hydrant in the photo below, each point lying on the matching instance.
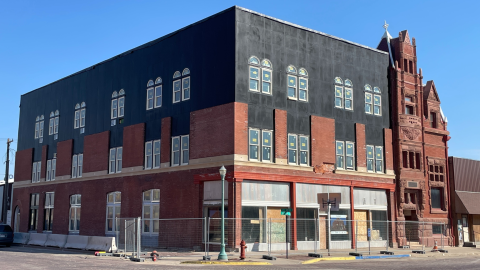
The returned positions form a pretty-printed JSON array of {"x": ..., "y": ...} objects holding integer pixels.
[
  {"x": 154, "y": 255},
  {"x": 243, "y": 246}
]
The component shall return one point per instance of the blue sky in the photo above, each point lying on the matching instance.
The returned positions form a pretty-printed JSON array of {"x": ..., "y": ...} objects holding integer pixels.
[{"x": 43, "y": 41}]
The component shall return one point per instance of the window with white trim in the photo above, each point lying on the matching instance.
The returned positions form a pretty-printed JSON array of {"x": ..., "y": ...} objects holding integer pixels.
[
  {"x": 150, "y": 94},
  {"x": 151, "y": 211},
  {"x": 368, "y": 103},
  {"x": 181, "y": 85},
  {"x": 152, "y": 154},
  {"x": 345, "y": 155},
  {"x": 33, "y": 215},
  {"x": 115, "y": 164},
  {"x": 377, "y": 102},
  {"x": 53, "y": 124},
  {"x": 154, "y": 94},
  {"x": 79, "y": 119},
  {"x": 343, "y": 94},
  {"x": 36, "y": 170},
  {"x": 158, "y": 93},
  {"x": 114, "y": 200},
  {"x": 338, "y": 93},
  {"x": 39, "y": 124},
  {"x": 75, "y": 209},
  {"x": 77, "y": 165},
  {"x": 260, "y": 139},
  {"x": 302, "y": 84},
  {"x": 51, "y": 168},
  {"x": 375, "y": 159},
  {"x": 48, "y": 211},
  {"x": 259, "y": 83},
  {"x": 298, "y": 150},
  {"x": 180, "y": 150},
  {"x": 292, "y": 82},
  {"x": 117, "y": 109},
  {"x": 348, "y": 95}
]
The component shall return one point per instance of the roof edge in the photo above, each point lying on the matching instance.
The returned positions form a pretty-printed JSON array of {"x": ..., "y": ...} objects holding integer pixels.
[{"x": 309, "y": 29}]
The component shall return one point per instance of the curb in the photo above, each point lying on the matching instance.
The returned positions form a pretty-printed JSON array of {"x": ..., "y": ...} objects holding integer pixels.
[
  {"x": 383, "y": 257},
  {"x": 355, "y": 258},
  {"x": 329, "y": 259},
  {"x": 226, "y": 263}
]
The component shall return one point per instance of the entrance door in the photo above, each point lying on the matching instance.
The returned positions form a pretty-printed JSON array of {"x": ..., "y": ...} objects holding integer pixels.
[{"x": 466, "y": 237}]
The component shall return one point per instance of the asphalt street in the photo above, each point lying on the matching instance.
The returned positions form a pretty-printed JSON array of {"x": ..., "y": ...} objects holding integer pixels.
[{"x": 17, "y": 257}]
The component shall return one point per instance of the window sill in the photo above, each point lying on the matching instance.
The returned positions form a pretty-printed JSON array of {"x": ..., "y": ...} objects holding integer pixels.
[
  {"x": 366, "y": 174},
  {"x": 438, "y": 211},
  {"x": 74, "y": 232}
]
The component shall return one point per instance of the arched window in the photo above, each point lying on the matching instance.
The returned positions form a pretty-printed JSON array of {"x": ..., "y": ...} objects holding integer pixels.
[
  {"x": 79, "y": 118},
  {"x": 376, "y": 90},
  {"x": 297, "y": 84},
  {"x": 117, "y": 109},
  {"x": 154, "y": 94},
  {"x": 303, "y": 85},
  {"x": 292, "y": 82},
  {"x": 53, "y": 124},
  {"x": 368, "y": 88},
  {"x": 292, "y": 69},
  {"x": 343, "y": 94},
  {"x": 181, "y": 86},
  {"x": 260, "y": 75},
  {"x": 377, "y": 102},
  {"x": 303, "y": 72},
  {"x": 151, "y": 211},
  {"x": 114, "y": 200},
  {"x": 39, "y": 128}
]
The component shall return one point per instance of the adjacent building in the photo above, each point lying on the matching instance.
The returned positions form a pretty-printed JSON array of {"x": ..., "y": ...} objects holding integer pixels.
[
  {"x": 465, "y": 195},
  {"x": 291, "y": 112}
]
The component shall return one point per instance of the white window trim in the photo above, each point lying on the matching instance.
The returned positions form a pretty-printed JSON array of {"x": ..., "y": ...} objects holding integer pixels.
[
  {"x": 76, "y": 123},
  {"x": 80, "y": 166},
  {"x": 345, "y": 98},
  {"x": 49, "y": 168},
  {"x": 112, "y": 109},
  {"x": 83, "y": 117},
  {"x": 373, "y": 159},
  {"x": 296, "y": 86},
  {"x": 259, "y": 80},
  {"x": 380, "y": 106},
  {"x": 179, "y": 90},
  {"x": 49, "y": 206},
  {"x": 150, "y": 203},
  {"x": 369, "y": 103},
  {"x": 75, "y": 166},
  {"x": 343, "y": 155},
  {"x": 113, "y": 204},
  {"x": 288, "y": 149},
  {"x": 153, "y": 98},
  {"x": 74, "y": 206},
  {"x": 148, "y": 146},
  {"x": 306, "y": 88},
  {"x": 172, "y": 152},
  {"x": 154, "y": 155},
  {"x": 50, "y": 125},
  {"x": 120, "y": 107},
  {"x": 37, "y": 130},
  {"x": 353, "y": 156},
  {"x": 258, "y": 144},
  {"x": 36, "y": 171},
  {"x": 183, "y": 88},
  {"x": 182, "y": 150},
  {"x": 341, "y": 97},
  {"x": 271, "y": 146},
  {"x": 40, "y": 131},
  {"x": 271, "y": 81},
  {"x": 300, "y": 151},
  {"x": 117, "y": 159},
  {"x": 155, "y": 105},
  {"x": 382, "y": 159}
]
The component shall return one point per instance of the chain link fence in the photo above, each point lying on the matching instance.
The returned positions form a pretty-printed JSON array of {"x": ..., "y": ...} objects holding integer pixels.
[{"x": 337, "y": 236}]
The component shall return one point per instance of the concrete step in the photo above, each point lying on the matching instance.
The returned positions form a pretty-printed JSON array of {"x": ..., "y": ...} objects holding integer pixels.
[{"x": 469, "y": 244}]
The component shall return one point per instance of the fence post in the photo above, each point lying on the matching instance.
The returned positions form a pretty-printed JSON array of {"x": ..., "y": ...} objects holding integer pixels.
[
  {"x": 316, "y": 235},
  {"x": 270, "y": 237},
  {"x": 388, "y": 235},
  {"x": 208, "y": 237},
  {"x": 356, "y": 235},
  {"x": 423, "y": 238},
  {"x": 139, "y": 237},
  {"x": 125, "y": 239},
  {"x": 205, "y": 235}
]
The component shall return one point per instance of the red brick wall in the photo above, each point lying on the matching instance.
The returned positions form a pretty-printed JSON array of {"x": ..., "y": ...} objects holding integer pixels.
[
  {"x": 212, "y": 131},
  {"x": 64, "y": 158},
  {"x": 241, "y": 129},
  {"x": 436, "y": 139},
  {"x": 388, "y": 148},
  {"x": 43, "y": 173},
  {"x": 166, "y": 136},
  {"x": 23, "y": 164},
  {"x": 432, "y": 151},
  {"x": 133, "y": 145},
  {"x": 281, "y": 143},
  {"x": 95, "y": 152},
  {"x": 360, "y": 142},
  {"x": 323, "y": 140}
]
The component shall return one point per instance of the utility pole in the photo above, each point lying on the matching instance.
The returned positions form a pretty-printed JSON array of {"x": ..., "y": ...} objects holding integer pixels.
[{"x": 6, "y": 187}]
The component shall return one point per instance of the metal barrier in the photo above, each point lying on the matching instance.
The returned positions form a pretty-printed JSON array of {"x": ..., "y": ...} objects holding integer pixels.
[{"x": 279, "y": 236}]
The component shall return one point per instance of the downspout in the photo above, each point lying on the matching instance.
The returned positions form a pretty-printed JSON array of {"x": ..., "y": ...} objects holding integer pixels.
[{"x": 447, "y": 172}]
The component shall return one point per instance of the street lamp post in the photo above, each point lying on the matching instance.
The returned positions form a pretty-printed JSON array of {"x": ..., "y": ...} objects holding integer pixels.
[{"x": 223, "y": 256}]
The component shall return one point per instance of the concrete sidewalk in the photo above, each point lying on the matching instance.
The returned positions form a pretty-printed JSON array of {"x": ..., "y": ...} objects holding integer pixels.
[{"x": 301, "y": 257}]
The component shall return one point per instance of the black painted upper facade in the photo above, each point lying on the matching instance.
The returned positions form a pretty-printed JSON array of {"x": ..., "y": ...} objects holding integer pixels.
[{"x": 216, "y": 50}]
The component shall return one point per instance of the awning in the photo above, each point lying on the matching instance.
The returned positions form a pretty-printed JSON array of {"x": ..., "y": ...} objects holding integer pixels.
[{"x": 467, "y": 202}]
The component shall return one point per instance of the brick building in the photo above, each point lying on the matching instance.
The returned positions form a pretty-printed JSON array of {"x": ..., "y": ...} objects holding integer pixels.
[
  {"x": 420, "y": 139},
  {"x": 291, "y": 112}
]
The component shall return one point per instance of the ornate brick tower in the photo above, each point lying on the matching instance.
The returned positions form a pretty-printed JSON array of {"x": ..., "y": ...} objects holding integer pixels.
[{"x": 420, "y": 145}]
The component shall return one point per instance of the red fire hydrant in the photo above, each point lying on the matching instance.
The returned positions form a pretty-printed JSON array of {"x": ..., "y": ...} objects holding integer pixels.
[
  {"x": 243, "y": 246},
  {"x": 154, "y": 255}
]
